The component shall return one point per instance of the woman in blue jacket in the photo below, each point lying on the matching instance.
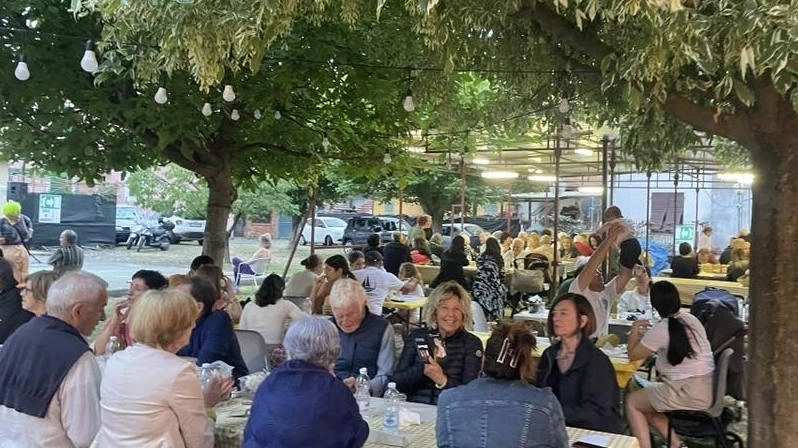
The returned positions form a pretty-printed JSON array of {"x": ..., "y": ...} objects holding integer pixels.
[
  {"x": 302, "y": 404},
  {"x": 579, "y": 374},
  {"x": 502, "y": 408}
]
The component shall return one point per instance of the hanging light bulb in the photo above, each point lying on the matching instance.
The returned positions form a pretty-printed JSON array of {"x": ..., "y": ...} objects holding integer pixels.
[
  {"x": 89, "y": 61},
  {"x": 564, "y": 107},
  {"x": 21, "y": 72},
  {"x": 160, "y": 96},
  {"x": 325, "y": 142},
  {"x": 277, "y": 114},
  {"x": 207, "y": 110},
  {"x": 257, "y": 114},
  {"x": 234, "y": 115},
  {"x": 229, "y": 95},
  {"x": 409, "y": 105},
  {"x": 387, "y": 157}
]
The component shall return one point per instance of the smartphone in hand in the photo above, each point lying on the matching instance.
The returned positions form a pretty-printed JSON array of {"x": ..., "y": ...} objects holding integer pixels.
[{"x": 423, "y": 349}]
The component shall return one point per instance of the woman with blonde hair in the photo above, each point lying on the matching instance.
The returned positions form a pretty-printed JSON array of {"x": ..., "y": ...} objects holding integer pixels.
[
  {"x": 34, "y": 291},
  {"x": 150, "y": 396},
  {"x": 532, "y": 241},
  {"x": 445, "y": 354}
]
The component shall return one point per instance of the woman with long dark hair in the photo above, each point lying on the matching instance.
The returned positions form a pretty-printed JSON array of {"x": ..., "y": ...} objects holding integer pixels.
[
  {"x": 684, "y": 363},
  {"x": 452, "y": 262},
  {"x": 335, "y": 267},
  {"x": 270, "y": 314},
  {"x": 489, "y": 289}
]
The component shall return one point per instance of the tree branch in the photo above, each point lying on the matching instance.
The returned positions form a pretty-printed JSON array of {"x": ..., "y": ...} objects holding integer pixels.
[{"x": 704, "y": 118}]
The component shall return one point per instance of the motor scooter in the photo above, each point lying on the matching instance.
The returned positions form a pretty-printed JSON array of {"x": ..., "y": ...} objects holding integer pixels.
[
  {"x": 133, "y": 238},
  {"x": 160, "y": 236}
]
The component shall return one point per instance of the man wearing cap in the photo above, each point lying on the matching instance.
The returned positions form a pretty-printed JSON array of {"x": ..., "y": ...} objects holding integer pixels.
[{"x": 376, "y": 281}]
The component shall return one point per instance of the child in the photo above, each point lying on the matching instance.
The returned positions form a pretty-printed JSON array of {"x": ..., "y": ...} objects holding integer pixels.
[{"x": 626, "y": 240}]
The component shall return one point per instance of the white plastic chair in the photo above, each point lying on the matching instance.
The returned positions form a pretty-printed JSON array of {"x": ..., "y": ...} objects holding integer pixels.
[
  {"x": 253, "y": 349},
  {"x": 260, "y": 267}
]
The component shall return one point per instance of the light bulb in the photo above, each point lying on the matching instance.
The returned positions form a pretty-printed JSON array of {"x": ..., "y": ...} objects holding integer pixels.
[
  {"x": 257, "y": 114},
  {"x": 277, "y": 114},
  {"x": 234, "y": 115},
  {"x": 160, "y": 96},
  {"x": 21, "y": 72},
  {"x": 409, "y": 105},
  {"x": 89, "y": 61},
  {"x": 325, "y": 142},
  {"x": 564, "y": 107},
  {"x": 387, "y": 158},
  {"x": 229, "y": 95},
  {"x": 206, "y": 109}
]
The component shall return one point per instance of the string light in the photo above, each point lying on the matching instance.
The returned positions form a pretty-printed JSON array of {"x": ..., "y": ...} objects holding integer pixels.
[
  {"x": 277, "y": 114},
  {"x": 234, "y": 115},
  {"x": 564, "y": 107},
  {"x": 409, "y": 105},
  {"x": 161, "y": 97},
  {"x": 229, "y": 94},
  {"x": 387, "y": 157},
  {"x": 207, "y": 110},
  {"x": 21, "y": 72},
  {"x": 89, "y": 61},
  {"x": 257, "y": 114},
  {"x": 325, "y": 142}
]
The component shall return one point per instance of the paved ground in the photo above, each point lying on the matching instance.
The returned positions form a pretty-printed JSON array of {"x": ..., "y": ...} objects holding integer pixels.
[{"x": 117, "y": 265}]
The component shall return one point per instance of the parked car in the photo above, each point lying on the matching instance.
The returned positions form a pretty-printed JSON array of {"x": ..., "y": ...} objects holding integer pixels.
[
  {"x": 359, "y": 228},
  {"x": 127, "y": 219},
  {"x": 188, "y": 229},
  {"x": 391, "y": 224},
  {"x": 328, "y": 231},
  {"x": 470, "y": 233}
]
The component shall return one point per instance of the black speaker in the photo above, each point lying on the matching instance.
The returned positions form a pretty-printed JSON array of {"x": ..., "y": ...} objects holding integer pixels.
[{"x": 17, "y": 191}]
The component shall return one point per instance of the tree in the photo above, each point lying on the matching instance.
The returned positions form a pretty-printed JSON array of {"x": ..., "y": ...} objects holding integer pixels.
[
  {"x": 68, "y": 121},
  {"x": 661, "y": 70}
]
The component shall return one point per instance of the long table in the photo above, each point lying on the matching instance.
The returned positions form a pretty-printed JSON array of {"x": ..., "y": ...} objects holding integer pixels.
[
  {"x": 428, "y": 272},
  {"x": 719, "y": 276},
  {"x": 688, "y": 287},
  {"x": 230, "y": 422},
  {"x": 624, "y": 368}
]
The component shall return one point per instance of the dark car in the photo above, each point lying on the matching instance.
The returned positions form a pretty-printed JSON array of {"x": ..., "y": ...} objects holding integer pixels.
[{"x": 359, "y": 228}]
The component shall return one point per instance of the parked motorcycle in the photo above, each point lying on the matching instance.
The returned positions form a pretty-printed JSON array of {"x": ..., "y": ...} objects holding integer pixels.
[
  {"x": 133, "y": 238},
  {"x": 160, "y": 236}
]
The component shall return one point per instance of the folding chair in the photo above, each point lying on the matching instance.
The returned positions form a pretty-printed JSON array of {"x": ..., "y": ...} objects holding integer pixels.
[{"x": 253, "y": 350}]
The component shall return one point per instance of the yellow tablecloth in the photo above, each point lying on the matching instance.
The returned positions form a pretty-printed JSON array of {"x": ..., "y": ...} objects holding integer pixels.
[
  {"x": 688, "y": 287},
  {"x": 229, "y": 431},
  {"x": 412, "y": 303},
  {"x": 624, "y": 368}
]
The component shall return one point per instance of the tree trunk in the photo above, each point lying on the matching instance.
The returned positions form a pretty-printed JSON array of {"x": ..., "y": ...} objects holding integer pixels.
[
  {"x": 221, "y": 194},
  {"x": 772, "y": 387}
]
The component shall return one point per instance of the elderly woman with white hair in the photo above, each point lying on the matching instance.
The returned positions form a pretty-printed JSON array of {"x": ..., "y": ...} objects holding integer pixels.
[
  {"x": 444, "y": 355},
  {"x": 366, "y": 339},
  {"x": 302, "y": 404},
  {"x": 68, "y": 257}
]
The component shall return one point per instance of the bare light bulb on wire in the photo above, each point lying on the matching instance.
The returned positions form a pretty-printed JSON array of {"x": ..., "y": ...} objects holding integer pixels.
[
  {"x": 229, "y": 94},
  {"x": 89, "y": 61},
  {"x": 564, "y": 107},
  {"x": 234, "y": 115},
  {"x": 387, "y": 158},
  {"x": 257, "y": 114},
  {"x": 207, "y": 110},
  {"x": 21, "y": 72},
  {"x": 325, "y": 142},
  {"x": 409, "y": 105},
  {"x": 277, "y": 114},
  {"x": 161, "y": 96}
]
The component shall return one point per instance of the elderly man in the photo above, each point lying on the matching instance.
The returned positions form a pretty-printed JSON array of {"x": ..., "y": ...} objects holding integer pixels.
[
  {"x": 377, "y": 282},
  {"x": 49, "y": 380},
  {"x": 366, "y": 339},
  {"x": 68, "y": 257}
]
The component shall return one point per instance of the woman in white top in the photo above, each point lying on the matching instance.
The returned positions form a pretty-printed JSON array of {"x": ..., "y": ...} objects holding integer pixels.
[
  {"x": 269, "y": 314},
  {"x": 149, "y": 396},
  {"x": 301, "y": 283},
  {"x": 637, "y": 300},
  {"x": 684, "y": 362}
]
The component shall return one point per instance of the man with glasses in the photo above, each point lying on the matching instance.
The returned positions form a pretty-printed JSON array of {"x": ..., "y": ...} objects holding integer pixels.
[{"x": 142, "y": 281}]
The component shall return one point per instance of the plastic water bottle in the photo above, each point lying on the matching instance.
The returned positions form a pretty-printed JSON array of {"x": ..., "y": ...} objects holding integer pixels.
[
  {"x": 205, "y": 375},
  {"x": 363, "y": 390},
  {"x": 112, "y": 346},
  {"x": 390, "y": 419}
]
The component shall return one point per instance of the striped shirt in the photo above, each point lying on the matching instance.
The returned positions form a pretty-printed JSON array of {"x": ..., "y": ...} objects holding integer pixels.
[{"x": 67, "y": 258}]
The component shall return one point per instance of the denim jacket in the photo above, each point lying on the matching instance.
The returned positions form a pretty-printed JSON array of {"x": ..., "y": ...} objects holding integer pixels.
[{"x": 499, "y": 413}]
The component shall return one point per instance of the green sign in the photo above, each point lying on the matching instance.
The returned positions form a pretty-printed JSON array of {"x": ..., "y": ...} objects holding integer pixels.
[
  {"x": 685, "y": 234},
  {"x": 50, "y": 208}
]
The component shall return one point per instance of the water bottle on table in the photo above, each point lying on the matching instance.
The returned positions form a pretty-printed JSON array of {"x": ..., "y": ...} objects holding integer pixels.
[
  {"x": 390, "y": 419},
  {"x": 363, "y": 390},
  {"x": 205, "y": 375}
]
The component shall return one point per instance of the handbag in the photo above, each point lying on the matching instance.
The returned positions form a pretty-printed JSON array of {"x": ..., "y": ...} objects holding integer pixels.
[{"x": 527, "y": 281}]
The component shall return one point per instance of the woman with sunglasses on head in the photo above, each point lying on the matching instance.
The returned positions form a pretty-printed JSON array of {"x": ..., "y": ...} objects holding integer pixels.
[
  {"x": 515, "y": 413},
  {"x": 580, "y": 375},
  {"x": 335, "y": 267}
]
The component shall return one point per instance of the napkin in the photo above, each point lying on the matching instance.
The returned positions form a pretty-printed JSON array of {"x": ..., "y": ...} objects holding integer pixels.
[
  {"x": 408, "y": 417},
  {"x": 593, "y": 440}
]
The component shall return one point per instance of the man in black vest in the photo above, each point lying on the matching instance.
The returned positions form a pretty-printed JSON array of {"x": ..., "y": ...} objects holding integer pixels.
[
  {"x": 49, "y": 379},
  {"x": 366, "y": 339}
]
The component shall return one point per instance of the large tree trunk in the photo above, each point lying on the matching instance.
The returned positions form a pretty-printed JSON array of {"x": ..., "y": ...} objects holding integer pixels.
[
  {"x": 221, "y": 194},
  {"x": 772, "y": 387}
]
